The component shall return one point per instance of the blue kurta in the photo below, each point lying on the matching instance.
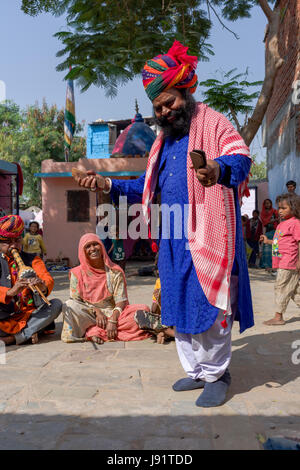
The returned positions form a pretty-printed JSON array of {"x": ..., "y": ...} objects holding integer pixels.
[{"x": 183, "y": 302}]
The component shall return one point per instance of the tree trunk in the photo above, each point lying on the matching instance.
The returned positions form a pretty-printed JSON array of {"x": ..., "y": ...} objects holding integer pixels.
[
  {"x": 273, "y": 64},
  {"x": 234, "y": 117}
]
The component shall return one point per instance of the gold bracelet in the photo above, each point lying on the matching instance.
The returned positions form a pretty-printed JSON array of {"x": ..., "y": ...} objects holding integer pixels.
[
  {"x": 117, "y": 308},
  {"x": 112, "y": 321}
]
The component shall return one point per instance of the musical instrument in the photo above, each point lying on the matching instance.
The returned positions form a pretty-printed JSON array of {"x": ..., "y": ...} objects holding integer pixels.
[
  {"x": 76, "y": 173},
  {"x": 26, "y": 272}
]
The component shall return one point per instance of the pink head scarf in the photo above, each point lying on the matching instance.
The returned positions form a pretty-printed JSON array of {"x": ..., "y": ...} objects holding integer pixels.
[{"x": 92, "y": 283}]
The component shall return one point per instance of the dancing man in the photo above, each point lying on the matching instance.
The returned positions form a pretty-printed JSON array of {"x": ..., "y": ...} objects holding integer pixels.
[{"x": 204, "y": 275}]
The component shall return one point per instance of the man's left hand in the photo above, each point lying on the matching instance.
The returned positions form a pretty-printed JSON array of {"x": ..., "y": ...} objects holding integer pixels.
[
  {"x": 36, "y": 281},
  {"x": 209, "y": 175}
]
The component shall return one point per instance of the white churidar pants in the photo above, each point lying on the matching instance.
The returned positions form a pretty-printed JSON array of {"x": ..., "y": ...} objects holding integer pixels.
[{"x": 207, "y": 355}]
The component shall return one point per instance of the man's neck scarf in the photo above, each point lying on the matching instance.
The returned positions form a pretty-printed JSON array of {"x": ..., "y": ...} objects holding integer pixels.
[
  {"x": 211, "y": 218},
  {"x": 174, "y": 69}
]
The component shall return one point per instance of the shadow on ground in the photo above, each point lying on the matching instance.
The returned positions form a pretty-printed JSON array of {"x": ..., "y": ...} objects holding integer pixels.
[
  {"x": 271, "y": 359},
  {"x": 260, "y": 275},
  {"x": 180, "y": 432}
]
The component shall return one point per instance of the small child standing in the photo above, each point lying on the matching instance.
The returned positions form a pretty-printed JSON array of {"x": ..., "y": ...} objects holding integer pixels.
[
  {"x": 152, "y": 320},
  {"x": 118, "y": 253},
  {"x": 286, "y": 255},
  {"x": 254, "y": 231},
  {"x": 33, "y": 242}
]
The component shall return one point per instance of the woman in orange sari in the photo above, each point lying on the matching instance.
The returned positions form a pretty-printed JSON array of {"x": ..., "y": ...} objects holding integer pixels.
[{"x": 98, "y": 309}]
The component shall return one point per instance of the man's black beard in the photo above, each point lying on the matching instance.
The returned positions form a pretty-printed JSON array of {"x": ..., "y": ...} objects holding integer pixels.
[{"x": 183, "y": 116}]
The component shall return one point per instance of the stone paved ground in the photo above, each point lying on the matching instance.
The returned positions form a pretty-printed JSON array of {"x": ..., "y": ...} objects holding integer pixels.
[{"x": 118, "y": 395}]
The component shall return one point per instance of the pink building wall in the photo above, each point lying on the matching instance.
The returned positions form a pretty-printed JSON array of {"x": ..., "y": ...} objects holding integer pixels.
[{"x": 61, "y": 237}]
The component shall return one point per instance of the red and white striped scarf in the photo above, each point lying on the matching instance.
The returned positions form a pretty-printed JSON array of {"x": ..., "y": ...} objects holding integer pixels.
[{"x": 211, "y": 219}]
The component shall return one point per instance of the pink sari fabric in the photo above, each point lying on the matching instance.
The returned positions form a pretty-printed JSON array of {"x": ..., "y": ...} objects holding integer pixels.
[
  {"x": 128, "y": 329},
  {"x": 92, "y": 287}
]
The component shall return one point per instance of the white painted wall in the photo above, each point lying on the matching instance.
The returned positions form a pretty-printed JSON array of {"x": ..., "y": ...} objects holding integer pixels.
[{"x": 288, "y": 169}]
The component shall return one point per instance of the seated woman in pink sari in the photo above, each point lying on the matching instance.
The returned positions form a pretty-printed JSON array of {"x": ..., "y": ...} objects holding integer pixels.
[{"x": 98, "y": 309}]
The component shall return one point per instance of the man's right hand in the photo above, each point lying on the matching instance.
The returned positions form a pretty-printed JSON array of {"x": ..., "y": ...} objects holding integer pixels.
[
  {"x": 92, "y": 181},
  {"x": 18, "y": 287}
]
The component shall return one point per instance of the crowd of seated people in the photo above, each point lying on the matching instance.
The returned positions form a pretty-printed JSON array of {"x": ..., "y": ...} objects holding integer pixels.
[{"x": 98, "y": 309}]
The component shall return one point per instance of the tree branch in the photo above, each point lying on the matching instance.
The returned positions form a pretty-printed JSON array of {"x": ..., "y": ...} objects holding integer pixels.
[
  {"x": 264, "y": 4},
  {"x": 273, "y": 63},
  {"x": 209, "y": 5},
  {"x": 127, "y": 8},
  {"x": 165, "y": 9},
  {"x": 208, "y": 11},
  {"x": 234, "y": 117}
]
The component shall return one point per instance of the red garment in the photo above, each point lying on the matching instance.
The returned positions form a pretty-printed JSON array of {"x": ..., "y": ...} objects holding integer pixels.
[
  {"x": 211, "y": 218},
  {"x": 92, "y": 285},
  {"x": 267, "y": 215},
  {"x": 286, "y": 244},
  {"x": 174, "y": 69},
  {"x": 128, "y": 329},
  {"x": 25, "y": 306},
  {"x": 11, "y": 226}
]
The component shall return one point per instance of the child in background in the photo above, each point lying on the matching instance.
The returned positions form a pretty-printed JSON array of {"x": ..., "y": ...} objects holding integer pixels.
[
  {"x": 254, "y": 231},
  {"x": 286, "y": 255},
  {"x": 33, "y": 242},
  {"x": 117, "y": 248},
  {"x": 269, "y": 219},
  {"x": 245, "y": 230},
  {"x": 152, "y": 320}
]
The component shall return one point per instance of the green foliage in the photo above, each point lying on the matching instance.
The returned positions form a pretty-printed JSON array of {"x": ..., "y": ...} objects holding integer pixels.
[
  {"x": 35, "y": 7},
  {"x": 235, "y": 9},
  {"x": 230, "y": 95},
  {"x": 258, "y": 170},
  {"x": 107, "y": 41},
  {"x": 31, "y": 136}
]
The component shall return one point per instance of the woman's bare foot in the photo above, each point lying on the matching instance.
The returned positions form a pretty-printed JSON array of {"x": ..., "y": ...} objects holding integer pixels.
[
  {"x": 160, "y": 338},
  {"x": 8, "y": 340},
  {"x": 277, "y": 320},
  {"x": 95, "y": 339},
  {"x": 165, "y": 334},
  {"x": 34, "y": 338},
  {"x": 274, "y": 321}
]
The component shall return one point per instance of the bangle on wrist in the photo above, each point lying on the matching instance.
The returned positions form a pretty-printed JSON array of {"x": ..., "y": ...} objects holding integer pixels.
[
  {"x": 119, "y": 309},
  {"x": 112, "y": 321},
  {"x": 107, "y": 180}
]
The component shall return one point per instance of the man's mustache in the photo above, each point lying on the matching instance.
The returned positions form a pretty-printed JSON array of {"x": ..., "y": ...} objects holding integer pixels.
[{"x": 175, "y": 113}]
